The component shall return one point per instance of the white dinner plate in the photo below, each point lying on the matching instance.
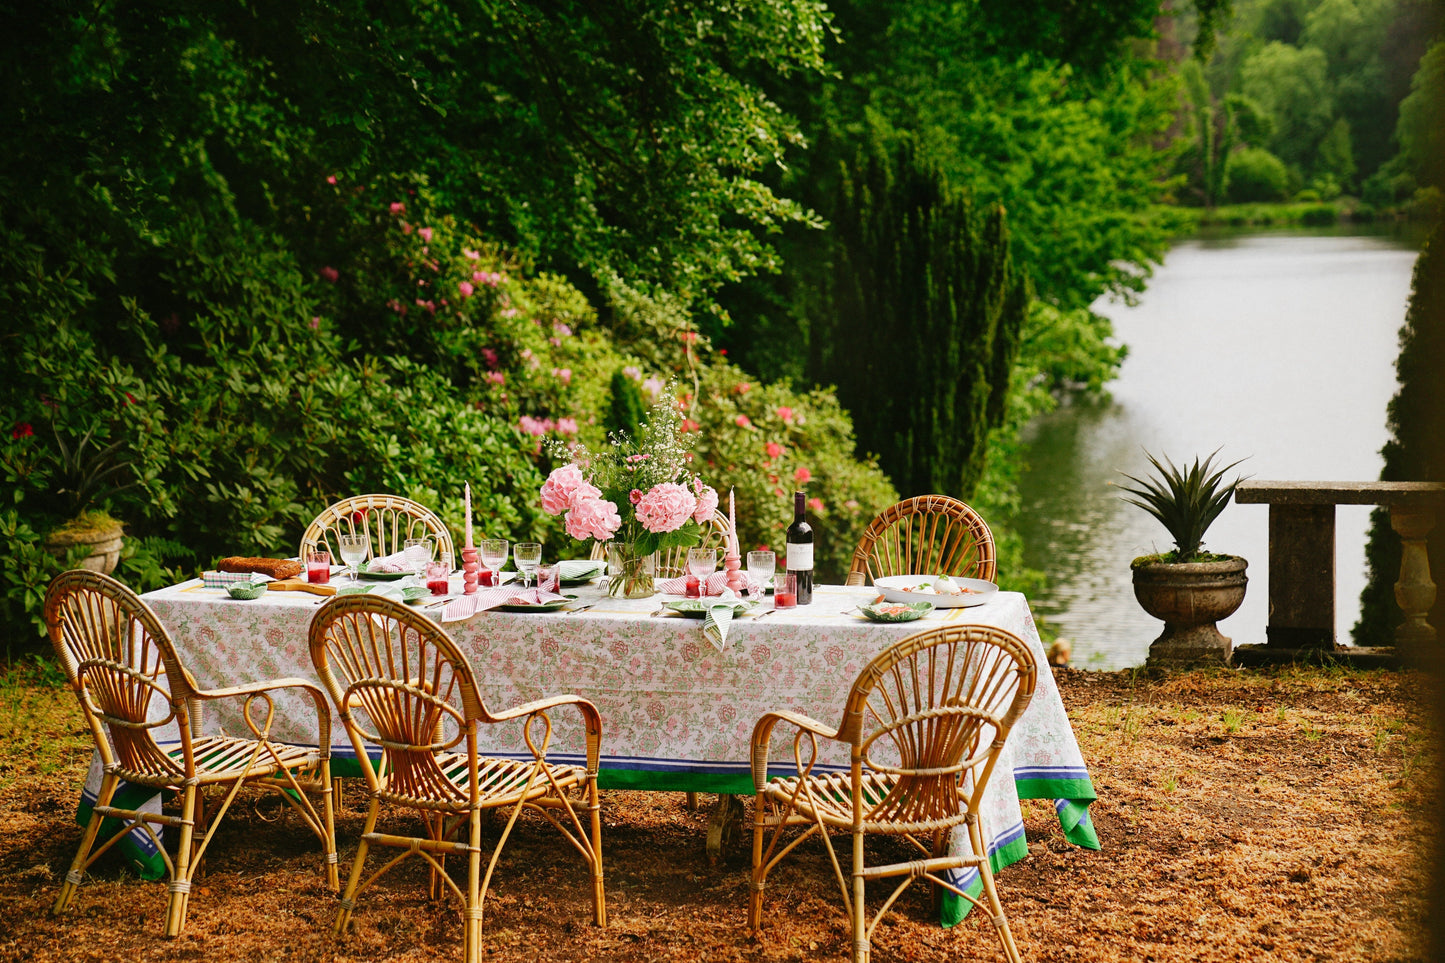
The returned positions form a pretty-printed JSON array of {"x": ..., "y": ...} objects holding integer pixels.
[{"x": 895, "y": 588}]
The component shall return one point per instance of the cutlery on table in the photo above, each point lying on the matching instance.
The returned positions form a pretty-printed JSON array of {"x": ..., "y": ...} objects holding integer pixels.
[{"x": 581, "y": 608}]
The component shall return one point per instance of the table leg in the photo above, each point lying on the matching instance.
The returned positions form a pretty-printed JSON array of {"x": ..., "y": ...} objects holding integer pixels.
[{"x": 723, "y": 827}]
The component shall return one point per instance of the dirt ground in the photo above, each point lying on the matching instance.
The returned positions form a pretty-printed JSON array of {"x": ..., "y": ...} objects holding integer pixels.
[{"x": 1280, "y": 815}]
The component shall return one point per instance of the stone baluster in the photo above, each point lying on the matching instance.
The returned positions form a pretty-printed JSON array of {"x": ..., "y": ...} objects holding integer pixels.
[{"x": 1414, "y": 592}]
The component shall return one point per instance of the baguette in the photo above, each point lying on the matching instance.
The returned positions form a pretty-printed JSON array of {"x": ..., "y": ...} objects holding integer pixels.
[{"x": 277, "y": 568}]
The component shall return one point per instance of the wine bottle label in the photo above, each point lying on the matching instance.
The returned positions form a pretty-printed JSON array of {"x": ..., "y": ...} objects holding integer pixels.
[{"x": 800, "y": 558}]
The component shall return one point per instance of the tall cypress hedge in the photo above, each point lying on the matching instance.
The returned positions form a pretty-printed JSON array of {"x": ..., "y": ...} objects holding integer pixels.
[
  {"x": 1416, "y": 449},
  {"x": 920, "y": 318}
]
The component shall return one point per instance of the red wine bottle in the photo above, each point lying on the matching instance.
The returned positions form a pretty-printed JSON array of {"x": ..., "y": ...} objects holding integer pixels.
[{"x": 800, "y": 550}]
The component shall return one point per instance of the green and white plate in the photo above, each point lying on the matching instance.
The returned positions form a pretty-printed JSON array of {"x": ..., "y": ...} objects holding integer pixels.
[
  {"x": 361, "y": 572},
  {"x": 697, "y": 608},
  {"x": 896, "y": 611},
  {"x": 543, "y": 607}
]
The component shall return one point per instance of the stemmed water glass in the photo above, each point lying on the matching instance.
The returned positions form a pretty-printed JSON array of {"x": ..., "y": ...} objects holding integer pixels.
[
  {"x": 761, "y": 565},
  {"x": 353, "y": 552},
  {"x": 701, "y": 562},
  {"x": 527, "y": 555},
  {"x": 493, "y": 553},
  {"x": 418, "y": 551}
]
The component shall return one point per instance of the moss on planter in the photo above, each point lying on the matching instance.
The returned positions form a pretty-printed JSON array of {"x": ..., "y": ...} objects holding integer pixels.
[{"x": 1173, "y": 558}]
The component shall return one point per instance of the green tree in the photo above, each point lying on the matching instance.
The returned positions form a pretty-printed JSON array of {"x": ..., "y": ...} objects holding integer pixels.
[
  {"x": 1254, "y": 174},
  {"x": 1421, "y": 127},
  {"x": 916, "y": 271},
  {"x": 1416, "y": 449},
  {"x": 1292, "y": 86}
]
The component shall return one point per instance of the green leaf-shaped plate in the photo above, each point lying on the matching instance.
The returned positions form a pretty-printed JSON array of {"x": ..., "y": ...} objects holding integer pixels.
[{"x": 896, "y": 611}]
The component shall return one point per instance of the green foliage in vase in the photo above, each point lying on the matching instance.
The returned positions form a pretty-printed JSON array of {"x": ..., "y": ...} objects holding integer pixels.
[
  {"x": 1185, "y": 500},
  {"x": 926, "y": 279},
  {"x": 1416, "y": 448}
]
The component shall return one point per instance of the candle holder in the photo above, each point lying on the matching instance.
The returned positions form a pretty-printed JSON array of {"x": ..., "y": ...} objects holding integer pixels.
[
  {"x": 731, "y": 563},
  {"x": 469, "y": 571}
]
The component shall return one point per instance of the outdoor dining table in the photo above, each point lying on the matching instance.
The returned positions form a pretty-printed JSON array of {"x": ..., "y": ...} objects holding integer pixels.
[{"x": 677, "y": 712}]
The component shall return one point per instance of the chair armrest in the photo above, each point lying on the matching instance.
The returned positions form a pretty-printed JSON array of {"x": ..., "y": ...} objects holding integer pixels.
[
  {"x": 591, "y": 720},
  {"x": 763, "y": 735},
  {"x": 318, "y": 698}
]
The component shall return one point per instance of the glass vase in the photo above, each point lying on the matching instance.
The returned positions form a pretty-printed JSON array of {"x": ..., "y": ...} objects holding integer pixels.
[{"x": 629, "y": 575}]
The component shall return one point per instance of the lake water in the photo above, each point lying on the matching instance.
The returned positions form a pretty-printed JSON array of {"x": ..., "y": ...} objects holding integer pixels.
[{"x": 1277, "y": 348}]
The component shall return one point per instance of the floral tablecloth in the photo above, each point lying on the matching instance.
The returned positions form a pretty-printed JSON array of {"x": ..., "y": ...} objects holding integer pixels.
[{"x": 677, "y": 714}]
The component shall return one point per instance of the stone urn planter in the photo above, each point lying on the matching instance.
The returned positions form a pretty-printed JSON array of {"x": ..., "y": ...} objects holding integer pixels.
[
  {"x": 101, "y": 534},
  {"x": 1189, "y": 597}
]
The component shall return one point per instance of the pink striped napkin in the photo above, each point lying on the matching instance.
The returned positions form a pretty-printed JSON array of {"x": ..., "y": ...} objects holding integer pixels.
[
  {"x": 715, "y": 584},
  {"x": 395, "y": 562},
  {"x": 465, "y": 606}
]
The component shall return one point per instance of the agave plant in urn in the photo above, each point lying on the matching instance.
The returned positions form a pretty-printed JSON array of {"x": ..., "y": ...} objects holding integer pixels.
[
  {"x": 637, "y": 496},
  {"x": 1188, "y": 588}
]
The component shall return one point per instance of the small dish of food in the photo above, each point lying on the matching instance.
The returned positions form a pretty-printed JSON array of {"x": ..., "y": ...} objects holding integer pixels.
[
  {"x": 895, "y": 611},
  {"x": 944, "y": 592}
]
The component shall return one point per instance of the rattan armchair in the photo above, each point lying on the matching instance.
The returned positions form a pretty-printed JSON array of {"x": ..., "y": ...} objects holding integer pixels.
[
  {"x": 387, "y": 521},
  {"x": 404, "y": 691},
  {"x": 925, "y": 721},
  {"x": 926, "y": 535},
  {"x": 120, "y": 663}
]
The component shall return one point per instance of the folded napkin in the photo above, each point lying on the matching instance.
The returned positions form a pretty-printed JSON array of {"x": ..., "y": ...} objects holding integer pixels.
[
  {"x": 465, "y": 606},
  {"x": 395, "y": 562},
  {"x": 579, "y": 568},
  {"x": 718, "y": 617},
  {"x": 715, "y": 584},
  {"x": 220, "y": 580}
]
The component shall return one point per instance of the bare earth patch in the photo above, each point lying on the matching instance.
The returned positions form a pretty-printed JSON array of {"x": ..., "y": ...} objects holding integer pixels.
[{"x": 1244, "y": 816}]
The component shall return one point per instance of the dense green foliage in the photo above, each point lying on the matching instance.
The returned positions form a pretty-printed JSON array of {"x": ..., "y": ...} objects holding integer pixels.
[
  {"x": 920, "y": 275},
  {"x": 1416, "y": 449},
  {"x": 1255, "y": 175}
]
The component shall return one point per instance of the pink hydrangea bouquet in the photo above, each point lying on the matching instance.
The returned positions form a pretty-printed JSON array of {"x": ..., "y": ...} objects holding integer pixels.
[{"x": 640, "y": 493}]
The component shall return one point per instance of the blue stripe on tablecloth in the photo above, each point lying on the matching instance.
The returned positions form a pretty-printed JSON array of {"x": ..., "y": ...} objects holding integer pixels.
[{"x": 1050, "y": 772}]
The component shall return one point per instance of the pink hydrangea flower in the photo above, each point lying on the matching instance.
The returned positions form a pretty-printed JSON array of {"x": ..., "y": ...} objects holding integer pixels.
[
  {"x": 592, "y": 517},
  {"x": 567, "y": 426},
  {"x": 425, "y": 233},
  {"x": 785, "y": 413},
  {"x": 706, "y": 502},
  {"x": 465, "y": 289},
  {"x": 330, "y": 274},
  {"x": 633, "y": 496},
  {"x": 559, "y": 487},
  {"x": 666, "y": 507},
  {"x": 532, "y": 426},
  {"x": 397, "y": 207},
  {"x": 743, "y": 421},
  {"x": 773, "y": 449},
  {"x": 802, "y": 476}
]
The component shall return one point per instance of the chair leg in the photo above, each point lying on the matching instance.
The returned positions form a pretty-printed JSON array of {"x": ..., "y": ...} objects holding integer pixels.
[
  {"x": 1000, "y": 921},
  {"x": 759, "y": 877},
  {"x": 329, "y": 797},
  {"x": 353, "y": 882},
  {"x": 472, "y": 918},
  {"x": 599, "y": 892},
  {"x": 860, "y": 913},
  {"x": 692, "y": 800},
  {"x": 180, "y": 885},
  {"x": 108, "y": 785}
]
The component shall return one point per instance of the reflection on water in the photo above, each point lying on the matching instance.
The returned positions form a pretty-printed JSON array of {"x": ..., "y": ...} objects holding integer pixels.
[{"x": 1279, "y": 348}]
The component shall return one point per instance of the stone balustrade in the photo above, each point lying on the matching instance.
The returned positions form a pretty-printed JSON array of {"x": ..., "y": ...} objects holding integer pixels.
[{"x": 1302, "y": 560}]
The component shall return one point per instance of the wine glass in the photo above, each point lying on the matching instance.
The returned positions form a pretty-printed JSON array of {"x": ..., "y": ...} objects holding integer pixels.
[
  {"x": 493, "y": 552},
  {"x": 353, "y": 552},
  {"x": 527, "y": 555},
  {"x": 761, "y": 565},
  {"x": 701, "y": 562},
  {"x": 418, "y": 552}
]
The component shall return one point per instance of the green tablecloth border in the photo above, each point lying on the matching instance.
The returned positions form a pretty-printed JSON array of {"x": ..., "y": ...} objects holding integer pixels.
[
  {"x": 147, "y": 865},
  {"x": 953, "y": 908}
]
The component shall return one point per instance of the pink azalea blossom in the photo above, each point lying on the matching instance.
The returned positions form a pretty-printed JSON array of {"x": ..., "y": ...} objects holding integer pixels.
[
  {"x": 559, "y": 487},
  {"x": 785, "y": 413},
  {"x": 592, "y": 517},
  {"x": 633, "y": 372},
  {"x": 315, "y": 324},
  {"x": 563, "y": 375},
  {"x": 532, "y": 426},
  {"x": 567, "y": 426},
  {"x": 406, "y": 228},
  {"x": 802, "y": 476},
  {"x": 706, "y": 503},
  {"x": 465, "y": 289},
  {"x": 773, "y": 449},
  {"x": 561, "y": 329},
  {"x": 815, "y": 504},
  {"x": 331, "y": 179},
  {"x": 666, "y": 507},
  {"x": 496, "y": 377},
  {"x": 471, "y": 255},
  {"x": 689, "y": 425},
  {"x": 330, "y": 274},
  {"x": 743, "y": 421},
  {"x": 397, "y": 207},
  {"x": 851, "y": 504},
  {"x": 742, "y": 388},
  {"x": 490, "y": 357},
  {"x": 425, "y": 233}
]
